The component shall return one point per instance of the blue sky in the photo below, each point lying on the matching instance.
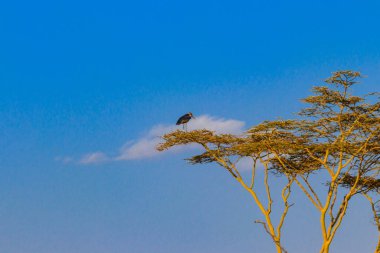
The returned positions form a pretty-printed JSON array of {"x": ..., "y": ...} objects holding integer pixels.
[{"x": 90, "y": 76}]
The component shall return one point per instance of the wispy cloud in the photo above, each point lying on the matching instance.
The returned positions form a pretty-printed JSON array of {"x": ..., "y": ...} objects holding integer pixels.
[
  {"x": 94, "y": 158},
  {"x": 145, "y": 147}
]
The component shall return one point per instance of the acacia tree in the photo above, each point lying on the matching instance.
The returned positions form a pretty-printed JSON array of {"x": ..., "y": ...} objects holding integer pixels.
[
  {"x": 340, "y": 133},
  {"x": 337, "y": 136},
  {"x": 375, "y": 207},
  {"x": 227, "y": 150}
]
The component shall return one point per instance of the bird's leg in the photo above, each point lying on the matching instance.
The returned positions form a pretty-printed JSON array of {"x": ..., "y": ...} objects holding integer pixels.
[{"x": 183, "y": 126}]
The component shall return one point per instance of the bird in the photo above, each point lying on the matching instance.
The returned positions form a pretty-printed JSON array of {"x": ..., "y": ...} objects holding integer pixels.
[{"x": 184, "y": 119}]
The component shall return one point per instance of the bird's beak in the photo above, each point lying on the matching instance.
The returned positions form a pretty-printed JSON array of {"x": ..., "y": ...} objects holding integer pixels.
[{"x": 193, "y": 116}]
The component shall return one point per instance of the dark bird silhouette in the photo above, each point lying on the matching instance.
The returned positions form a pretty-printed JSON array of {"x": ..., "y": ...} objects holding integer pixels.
[{"x": 184, "y": 119}]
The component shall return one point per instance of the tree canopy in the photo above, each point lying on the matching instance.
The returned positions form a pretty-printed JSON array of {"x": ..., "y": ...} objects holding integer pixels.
[{"x": 336, "y": 134}]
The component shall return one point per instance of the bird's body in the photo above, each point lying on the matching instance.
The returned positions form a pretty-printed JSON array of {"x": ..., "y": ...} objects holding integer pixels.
[{"x": 184, "y": 119}]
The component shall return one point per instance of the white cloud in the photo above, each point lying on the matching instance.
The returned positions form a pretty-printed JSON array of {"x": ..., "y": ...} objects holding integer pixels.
[
  {"x": 143, "y": 148},
  {"x": 219, "y": 125},
  {"x": 146, "y": 146},
  {"x": 94, "y": 158}
]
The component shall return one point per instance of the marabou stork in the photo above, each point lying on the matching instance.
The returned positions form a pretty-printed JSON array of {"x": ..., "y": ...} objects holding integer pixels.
[{"x": 184, "y": 119}]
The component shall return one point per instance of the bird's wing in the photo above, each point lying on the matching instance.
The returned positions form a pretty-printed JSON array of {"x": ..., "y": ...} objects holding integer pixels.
[
  {"x": 179, "y": 121},
  {"x": 183, "y": 119}
]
